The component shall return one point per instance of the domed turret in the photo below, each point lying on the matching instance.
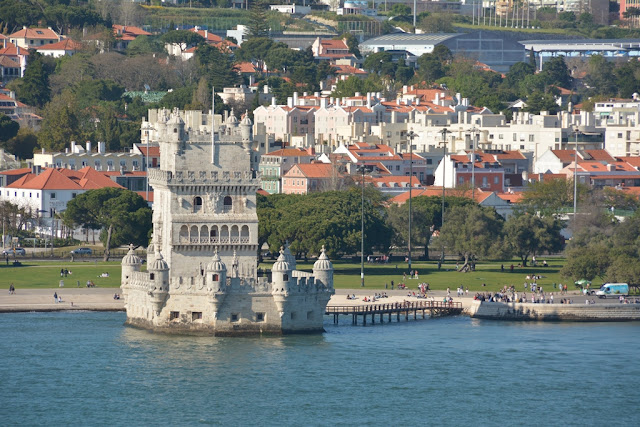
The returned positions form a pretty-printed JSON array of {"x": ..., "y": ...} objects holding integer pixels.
[
  {"x": 216, "y": 264},
  {"x": 231, "y": 121},
  {"x": 217, "y": 280},
  {"x": 245, "y": 130},
  {"x": 281, "y": 272},
  {"x": 131, "y": 259},
  {"x": 159, "y": 278},
  {"x": 158, "y": 264},
  {"x": 323, "y": 270},
  {"x": 281, "y": 265}
]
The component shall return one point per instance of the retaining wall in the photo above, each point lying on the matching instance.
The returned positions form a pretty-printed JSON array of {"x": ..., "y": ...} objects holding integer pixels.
[{"x": 599, "y": 312}]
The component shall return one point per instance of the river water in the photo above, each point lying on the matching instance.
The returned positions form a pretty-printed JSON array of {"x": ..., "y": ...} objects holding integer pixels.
[{"x": 88, "y": 369}]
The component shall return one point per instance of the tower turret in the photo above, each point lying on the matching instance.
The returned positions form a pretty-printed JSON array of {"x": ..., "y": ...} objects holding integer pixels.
[
  {"x": 280, "y": 274},
  {"x": 323, "y": 270},
  {"x": 130, "y": 263},
  {"x": 175, "y": 128},
  {"x": 216, "y": 279},
  {"x": 159, "y": 281},
  {"x": 245, "y": 130}
]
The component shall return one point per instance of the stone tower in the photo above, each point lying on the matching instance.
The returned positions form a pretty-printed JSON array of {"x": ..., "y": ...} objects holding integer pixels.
[{"x": 202, "y": 262}]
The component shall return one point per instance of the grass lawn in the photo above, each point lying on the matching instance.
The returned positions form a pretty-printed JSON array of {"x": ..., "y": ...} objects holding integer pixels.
[
  {"x": 347, "y": 275},
  {"x": 34, "y": 274},
  {"x": 42, "y": 274}
]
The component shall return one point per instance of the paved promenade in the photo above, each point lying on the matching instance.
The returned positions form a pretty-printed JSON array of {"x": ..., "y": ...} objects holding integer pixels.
[{"x": 101, "y": 299}]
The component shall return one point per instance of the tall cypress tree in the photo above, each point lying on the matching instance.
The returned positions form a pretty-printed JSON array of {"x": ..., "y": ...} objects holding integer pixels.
[{"x": 258, "y": 25}]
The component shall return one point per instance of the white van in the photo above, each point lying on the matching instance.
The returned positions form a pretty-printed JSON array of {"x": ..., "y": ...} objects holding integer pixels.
[{"x": 613, "y": 290}]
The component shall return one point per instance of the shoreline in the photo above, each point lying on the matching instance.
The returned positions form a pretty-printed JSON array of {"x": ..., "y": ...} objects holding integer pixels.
[{"x": 101, "y": 299}]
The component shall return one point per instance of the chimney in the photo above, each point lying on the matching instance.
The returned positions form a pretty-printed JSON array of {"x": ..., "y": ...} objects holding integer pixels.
[
  {"x": 437, "y": 99},
  {"x": 290, "y": 101},
  {"x": 88, "y": 145},
  {"x": 73, "y": 147},
  {"x": 368, "y": 99},
  {"x": 323, "y": 102},
  {"x": 295, "y": 99},
  {"x": 611, "y": 168},
  {"x": 101, "y": 147},
  {"x": 206, "y": 34},
  {"x": 273, "y": 101}
]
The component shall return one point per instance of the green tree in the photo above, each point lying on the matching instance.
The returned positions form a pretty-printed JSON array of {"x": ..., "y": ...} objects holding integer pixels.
[
  {"x": 355, "y": 84},
  {"x": 538, "y": 101},
  {"x": 184, "y": 39},
  {"x": 217, "y": 66},
  {"x": 516, "y": 74},
  {"x": 60, "y": 124},
  {"x": 437, "y": 23},
  {"x": 549, "y": 197},
  {"x": 430, "y": 68},
  {"x": 426, "y": 218},
  {"x": 256, "y": 50},
  {"x": 123, "y": 216},
  {"x": 22, "y": 145},
  {"x": 144, "y": 45},
  {"x": 555, "y": 72},
  {"x": 352, "y": 43},
  {"x": 8, "y": 129},
  {"x": 381, "y": 63},
  {"x": 472, "y": 232},
  {"x": 330, "y": 218},
  {"x": 599, "y": 73},
  {"x": 529, "y": 235},
  {"x": 258, "y": 24},
  {"x": 34, "y": 86},
  {"x": 587, "y": 262},
  {"x": 400, "y": 10}
]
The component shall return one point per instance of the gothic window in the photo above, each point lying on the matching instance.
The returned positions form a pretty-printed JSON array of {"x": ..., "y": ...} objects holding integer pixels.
[
  {"x": 227, "y": 204},
  {"x": 184, "y": 234},
  {"x": 197, "y": 204}
]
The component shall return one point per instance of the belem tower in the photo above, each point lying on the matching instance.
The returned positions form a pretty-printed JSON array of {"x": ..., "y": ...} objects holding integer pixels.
[{"x": 202, "y": 261}]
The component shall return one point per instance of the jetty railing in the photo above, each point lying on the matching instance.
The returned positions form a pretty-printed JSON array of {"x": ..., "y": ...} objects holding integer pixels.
[{"x": 406, "y": 308}]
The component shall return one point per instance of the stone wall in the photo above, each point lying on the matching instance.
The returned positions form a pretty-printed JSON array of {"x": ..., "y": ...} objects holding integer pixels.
[{"x": 599, "y": 312}]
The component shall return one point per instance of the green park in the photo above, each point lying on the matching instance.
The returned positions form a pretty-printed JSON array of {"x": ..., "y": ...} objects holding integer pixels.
[{"x": 487, "y": 277}]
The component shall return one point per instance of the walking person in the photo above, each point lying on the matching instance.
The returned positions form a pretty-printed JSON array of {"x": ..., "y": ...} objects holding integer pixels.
[{"x": 55, "y": 297}]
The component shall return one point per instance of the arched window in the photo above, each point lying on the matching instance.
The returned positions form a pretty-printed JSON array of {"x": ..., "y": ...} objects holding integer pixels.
[
  {"x": 194, "y": 236},
  {"x": 213, "y": 234},
  {"x": 235, "y": 234},
  {"x": 224, "y": 234},
  {"x": 151, "y": 276},
  {"x": 215, "y": 277},
  {"x": 244, "y": 234},
  {"x": 197, "y": 204},
  {"x": 184, "y": 234},
  {"x": 228, "y": 204},
  {"x": 175, "y": 130},
  {"x": 204, "y": 234}
]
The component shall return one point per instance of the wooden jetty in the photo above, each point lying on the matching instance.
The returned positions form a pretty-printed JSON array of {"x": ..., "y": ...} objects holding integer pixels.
[{"x": 433, "y": 308}]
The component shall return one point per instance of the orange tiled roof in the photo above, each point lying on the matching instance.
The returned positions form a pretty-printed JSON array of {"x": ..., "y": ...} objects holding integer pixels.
[
  {"x": 66, "y": 44},
  {"x": 632, "y": 160},
  {"x": 86, "y": 178},
  {"x": 565, "y": 156},
  {"x": 13, "y": 51},
  {"x": 35, "y": 33},
  {"x": 600, "y": 155},
  {"x": 314, "y": 170}
]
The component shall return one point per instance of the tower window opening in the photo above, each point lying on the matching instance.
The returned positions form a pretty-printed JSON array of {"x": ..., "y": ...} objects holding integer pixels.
[{"x": 197, "y": 203}]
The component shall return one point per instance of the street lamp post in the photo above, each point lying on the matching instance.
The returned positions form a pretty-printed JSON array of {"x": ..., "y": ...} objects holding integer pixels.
[
  {"x": 362, "y": 169},
  {"x": 473, "y": 132},
  {"x": 575, "y": 174},
  {"x": 444, "y": 133},
  {"x": 410, "y": 136}
]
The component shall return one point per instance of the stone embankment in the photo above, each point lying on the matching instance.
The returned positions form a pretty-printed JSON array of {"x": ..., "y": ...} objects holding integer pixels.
[{"x": 599, "y": 312}]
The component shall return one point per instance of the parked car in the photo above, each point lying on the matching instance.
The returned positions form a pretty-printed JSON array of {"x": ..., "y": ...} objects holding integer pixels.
[
  {"x": 18, "y": 251},
  {"x": 82, "y": 251}
]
